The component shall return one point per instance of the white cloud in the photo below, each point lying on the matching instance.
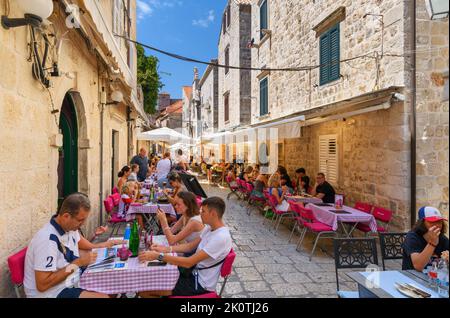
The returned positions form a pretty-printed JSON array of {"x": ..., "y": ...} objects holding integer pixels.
[
  {"x": 146, "y": 8},
  {"x": 143, "y": 9},
  {"x": 204, "y": 23}
]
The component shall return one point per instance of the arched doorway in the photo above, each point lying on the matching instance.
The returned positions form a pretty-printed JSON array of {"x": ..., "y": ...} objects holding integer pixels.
[{"x": 68, "y": 154}]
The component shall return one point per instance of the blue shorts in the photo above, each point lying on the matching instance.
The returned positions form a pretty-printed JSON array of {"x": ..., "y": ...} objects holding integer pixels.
[{"x": 70, "y": 293}]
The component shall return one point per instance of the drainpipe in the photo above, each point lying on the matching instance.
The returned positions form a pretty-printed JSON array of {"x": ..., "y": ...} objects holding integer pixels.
[
  {"x": 413, "y": 113},
  {"x": 101, "y": 153}
]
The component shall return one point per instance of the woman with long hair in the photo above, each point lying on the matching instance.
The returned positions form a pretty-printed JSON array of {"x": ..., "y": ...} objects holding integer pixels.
[
  {"x": 123, "y": 176},
  {"x": 189, "y": 226},
  {"x": 279, "y": 193}
]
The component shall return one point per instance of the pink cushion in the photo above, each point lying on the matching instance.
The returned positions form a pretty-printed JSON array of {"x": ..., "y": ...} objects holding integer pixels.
[
  {"x": 255, "y": 198},
  {"x": 228, "y": 264},
  {"x": 109, "y": 205},
  {"x": 116, "y": 219},
  {"x": 208, "y": 295},
  {"x": 319, "y": 227},
  {"x": 116, "y": 198},
  {"x": 16, "y": 265}
]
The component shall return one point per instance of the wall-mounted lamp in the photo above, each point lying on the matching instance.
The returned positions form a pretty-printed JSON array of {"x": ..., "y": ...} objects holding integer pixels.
[
  {"x": 116, "y": 97},
  {"x": 34, "y": 13},
  {"x": 437, "y": 9}
]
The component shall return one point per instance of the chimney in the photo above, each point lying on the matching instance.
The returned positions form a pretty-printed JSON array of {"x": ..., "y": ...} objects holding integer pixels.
[{"x": 195, "y": 73}]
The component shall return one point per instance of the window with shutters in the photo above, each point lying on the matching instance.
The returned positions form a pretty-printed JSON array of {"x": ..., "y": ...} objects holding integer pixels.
[
  {"x": 118, "y": 19},
  {"x": 263, "y": 18},
  {"x": 227, "y": 59},
  {"x": 329, "y": 158},
  {"x": 226, "y": 107},
  {"x": 330, "y": 55},
  {"x": 264, "y": 96}
]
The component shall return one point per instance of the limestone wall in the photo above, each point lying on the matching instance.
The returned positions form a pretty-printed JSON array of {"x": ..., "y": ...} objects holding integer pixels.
[
  {"x": 373, "y": 163},
  {"x": 234, "y": 37},
  {"x": 293, "y": 43},
  {"x": 28, "y": 163},
  {"x": 432, "y": 111}
]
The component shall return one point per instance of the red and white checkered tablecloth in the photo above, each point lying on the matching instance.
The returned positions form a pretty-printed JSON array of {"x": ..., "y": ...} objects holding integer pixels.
[
  {"x": 136, "y": 277},
  {"x": 149, "y": 208}
]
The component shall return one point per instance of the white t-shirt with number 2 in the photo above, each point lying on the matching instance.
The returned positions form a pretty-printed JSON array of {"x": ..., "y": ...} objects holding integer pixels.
[
  {"x": 217, "y": 244},
  {"x": 44, "y": 255}
]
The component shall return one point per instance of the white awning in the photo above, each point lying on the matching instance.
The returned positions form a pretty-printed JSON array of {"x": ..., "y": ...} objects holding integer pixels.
[{"x": 164, "y": 134}]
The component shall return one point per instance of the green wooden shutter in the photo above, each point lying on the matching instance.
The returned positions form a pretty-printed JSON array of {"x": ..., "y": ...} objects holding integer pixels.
[
  {"x": 264, "y": 97},
  {"x": 330, "y": 55},
  {"x": 324, "y": 58},
  {"x": 334, "y": 54},
  {"x": 263, "y": 17}
]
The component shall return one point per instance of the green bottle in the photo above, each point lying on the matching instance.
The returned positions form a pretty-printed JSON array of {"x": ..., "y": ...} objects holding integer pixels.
[{"x": 134, "y": 239}]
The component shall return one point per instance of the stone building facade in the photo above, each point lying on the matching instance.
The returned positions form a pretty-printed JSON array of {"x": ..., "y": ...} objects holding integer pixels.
[
  {"x": 432, "y": 110},
  {"x": 364, "y": 109},
  {"x": 209, "y": 99},
  {"x": 92, "y": 64},
  {"x": 234, "y": 85}
]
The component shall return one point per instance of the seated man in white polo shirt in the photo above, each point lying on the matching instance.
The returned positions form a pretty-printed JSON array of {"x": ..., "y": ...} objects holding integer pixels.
[
  {"x": 212, "y": 247},
  {"x": 53, "y": 260}
]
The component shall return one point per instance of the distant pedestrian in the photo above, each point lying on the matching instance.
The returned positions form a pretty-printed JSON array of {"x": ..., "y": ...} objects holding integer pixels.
[{"x": 142, "y": 161}]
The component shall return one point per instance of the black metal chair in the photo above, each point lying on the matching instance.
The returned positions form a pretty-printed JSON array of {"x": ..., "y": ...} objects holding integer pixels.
[
  {"x": 391, "y": 246},
  {"x": 354, "y": 253}
]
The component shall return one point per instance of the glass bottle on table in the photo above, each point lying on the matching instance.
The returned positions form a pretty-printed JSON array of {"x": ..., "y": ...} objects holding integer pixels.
[
  {"x": 442, "y": 278},
  {"x": 134, "y": 239}
]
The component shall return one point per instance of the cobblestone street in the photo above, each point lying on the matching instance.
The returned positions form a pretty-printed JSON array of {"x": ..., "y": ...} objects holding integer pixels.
[{"x": 267, "y": 265}]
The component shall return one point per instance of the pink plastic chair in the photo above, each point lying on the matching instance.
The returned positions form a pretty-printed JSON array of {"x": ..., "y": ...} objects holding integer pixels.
[
  {"x": 365, "y": 207},
  {"x": 233, "y": 188},
  {"x": 278, "y": 214},
  {"x": 381, "y": 215},
  {"x": 295, "y": 208},
  {"x": 116, "y": 199},
  {"x": 199, "y": 201},
  {"x": 114, "y": 219},
  {"x": 254, "y": 200},
  {"x": 225, "y": 273},
  {"x": 16, "y": 264},
  {"x": 311, "y": 224},
  {"x": 115, "y": 190}
]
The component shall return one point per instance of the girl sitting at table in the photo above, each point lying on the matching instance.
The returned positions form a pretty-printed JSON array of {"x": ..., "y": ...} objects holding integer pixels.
[
  {"x": 134, "y": 172},
  {"x": 279, "y": 193},
  {"x": 189, "y": 226},
  {"x": 247, "y": 174},
  {"x": 177, "y": 186}
]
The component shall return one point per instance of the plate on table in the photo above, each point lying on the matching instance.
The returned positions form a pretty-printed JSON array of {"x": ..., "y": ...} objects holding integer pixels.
[{"x": 407, "y": 291}]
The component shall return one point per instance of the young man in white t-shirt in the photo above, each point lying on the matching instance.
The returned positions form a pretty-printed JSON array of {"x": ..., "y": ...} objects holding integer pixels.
[
  {"x": 213, "y": 246},
  {"x": 53, "y": 259}
]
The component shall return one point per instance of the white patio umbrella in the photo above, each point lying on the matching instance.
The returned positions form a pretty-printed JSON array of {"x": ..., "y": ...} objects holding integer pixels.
[{"x": 164, "y": 134}]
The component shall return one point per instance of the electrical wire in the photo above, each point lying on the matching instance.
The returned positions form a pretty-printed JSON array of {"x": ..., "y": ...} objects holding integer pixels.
[{"x": 289, "y": 69}]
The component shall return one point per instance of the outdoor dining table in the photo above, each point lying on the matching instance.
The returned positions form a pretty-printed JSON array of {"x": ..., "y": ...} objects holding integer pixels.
[
  {"x": 304, "y": 199},
  {"x": 381, "y": 284},
  {"x": 136, "y": 277},
  {"x": 148, "y": 211},
  {"x": 327, "y": 214}
]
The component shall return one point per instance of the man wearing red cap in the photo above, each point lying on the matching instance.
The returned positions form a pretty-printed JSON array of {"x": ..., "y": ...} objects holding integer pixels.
[{"x": 426, "y": 240}]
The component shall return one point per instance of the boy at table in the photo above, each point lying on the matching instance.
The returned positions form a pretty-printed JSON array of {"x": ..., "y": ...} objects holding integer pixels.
[
  {"x": 54, "y": 258},
  {"x": 212, "y": 247},
  {"x": 426, "y": 241}
]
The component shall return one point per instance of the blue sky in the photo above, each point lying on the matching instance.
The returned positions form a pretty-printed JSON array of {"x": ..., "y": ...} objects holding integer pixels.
[{"x": 185, "y": 27}]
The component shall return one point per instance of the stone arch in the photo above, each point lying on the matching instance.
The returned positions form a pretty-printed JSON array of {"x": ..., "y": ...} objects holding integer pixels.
[{"x": 83, "y": 141}]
